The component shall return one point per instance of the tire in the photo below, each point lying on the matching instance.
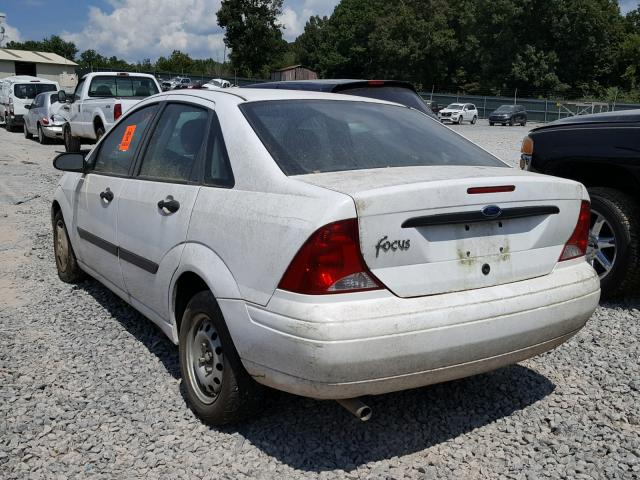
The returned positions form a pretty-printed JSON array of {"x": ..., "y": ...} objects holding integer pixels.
[
  {"x": 27, "y": 135},
  {"x": 71, "y": 143},
  {"x": 504, "y": 124},
  {"x": 491, "y": 124},
  {"x": 621, "y": 215},
  {"x": 9, "y": 125},
  {"x": 218, "y": 388},
  {"x": 511, "y": 122},
  {"x": 99, "y": 133},
  {"x": 524, "y": 123},
  {"x": 474, "y": 120},
  {"x": 66, "y": 261},
  {"x": 41, "y": 136}
]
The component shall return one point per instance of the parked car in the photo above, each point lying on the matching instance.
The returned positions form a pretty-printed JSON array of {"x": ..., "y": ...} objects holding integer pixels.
[
  {"x": 179, "y": 82},
  {"x": 434, "y": 106},
  {"x": 166, "y": 85},
  {"x": 458, "y": 113},
  {"x": 508, "y": 114},
  {"x": 17, "y": 92},
  {"x": 43, "y": 118},
  {"x": 601, "y": 151},
  {"x": 99, "y": 100},
  {"x": 217, "y": 83},
  {"x": 330, "y": 246},
  {"x": 391, "y": 90}
]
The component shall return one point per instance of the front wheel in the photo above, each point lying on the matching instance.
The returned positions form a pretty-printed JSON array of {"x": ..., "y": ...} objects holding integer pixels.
[
  {"x": 474, "y": 120},
  {"x": 491, "y": 124},
  {"x": 27, "y": 135},
  {"x": 614, "y": 241},
  {"x": 511, "y": 122},
  {"x": 218, "y": 388},
  {"x": 524, "y": 123}
]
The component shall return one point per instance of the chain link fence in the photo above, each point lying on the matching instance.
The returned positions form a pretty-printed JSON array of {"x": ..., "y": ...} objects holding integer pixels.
[{"x": 543, "y": 111}]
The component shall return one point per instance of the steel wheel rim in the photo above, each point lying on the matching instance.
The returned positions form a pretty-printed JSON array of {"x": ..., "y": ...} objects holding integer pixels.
[
  {"x": 62, "y": 246},
  {"x": 601, "y": 251},
  {"x": 204, "y": 356}
]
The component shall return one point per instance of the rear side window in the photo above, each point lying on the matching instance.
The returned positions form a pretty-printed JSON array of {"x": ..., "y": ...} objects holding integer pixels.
[
  {"x": 314, "y": 136},
  {"x": 217, "y": 168},
  {"x": 115, "y": 86},
  {"x": 401, "y": 95},
  {"x": 118, "y": 148},
  {"x": 176, "y": 143},
  {"x": 30, "y": 90}
]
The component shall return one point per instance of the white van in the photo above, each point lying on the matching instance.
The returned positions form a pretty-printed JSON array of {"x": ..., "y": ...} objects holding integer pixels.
[{"x": 18, "y": 91}]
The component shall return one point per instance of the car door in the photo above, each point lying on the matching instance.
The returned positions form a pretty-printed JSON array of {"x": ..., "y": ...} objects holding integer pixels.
[
  {"x": 155, "y": 205},
  {"x": 98, "y": 196},
  {"x": 31, "y": 115}
]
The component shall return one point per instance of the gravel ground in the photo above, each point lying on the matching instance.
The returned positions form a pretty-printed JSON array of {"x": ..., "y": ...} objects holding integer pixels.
[{"x": 89, "y": 388}]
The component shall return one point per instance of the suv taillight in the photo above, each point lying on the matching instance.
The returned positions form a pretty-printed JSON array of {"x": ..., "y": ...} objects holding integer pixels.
[
  {"x": 117, "y": 111},
  {"x": 330, "y": 262},
  {"x": 577, "y": 244}
]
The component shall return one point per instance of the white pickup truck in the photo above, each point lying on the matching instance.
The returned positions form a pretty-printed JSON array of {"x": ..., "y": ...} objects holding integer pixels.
[{"x": 98, "y": 101}]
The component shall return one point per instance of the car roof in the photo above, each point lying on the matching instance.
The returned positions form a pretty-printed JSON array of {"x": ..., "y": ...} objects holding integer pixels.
[
  {"x": 267, "y": 94},
  {"x": 331, "y": 85},
  {"x": 625, "y": 116},
  {"x": 27, "y": 79}
]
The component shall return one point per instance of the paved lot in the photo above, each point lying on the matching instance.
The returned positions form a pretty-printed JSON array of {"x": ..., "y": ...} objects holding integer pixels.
[{"x": 89, "y": 388}]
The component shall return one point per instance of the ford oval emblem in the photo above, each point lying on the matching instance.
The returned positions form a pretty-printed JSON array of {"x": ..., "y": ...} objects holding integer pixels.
[{"x": 491, "y": 211}]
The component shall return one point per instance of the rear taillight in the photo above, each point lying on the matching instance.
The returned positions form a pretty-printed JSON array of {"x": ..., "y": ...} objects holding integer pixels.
[
  {"x": 330, "y": 262},
  {"x": 44, "y": 120},
  {"x": 577, "y": 244},
  {"x": 117, "y": 111}
]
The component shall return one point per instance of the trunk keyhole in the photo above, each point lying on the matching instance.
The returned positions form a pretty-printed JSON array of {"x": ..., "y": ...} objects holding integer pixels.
[
  {"x": 466, "y": 227},
  {"x": 486, "y": 269}
]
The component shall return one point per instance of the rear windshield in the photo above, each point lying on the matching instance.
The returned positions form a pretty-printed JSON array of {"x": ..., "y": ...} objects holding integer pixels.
[
  {"x": 401, "y": 95},
  {"x": 122, "y": 87},
  {"x": 505, "y": 108},
  {"x": 30, "y": 90},
  {"x": 314, "y": 136}
]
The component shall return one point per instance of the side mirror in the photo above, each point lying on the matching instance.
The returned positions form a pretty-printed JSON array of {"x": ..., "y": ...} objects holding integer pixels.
[
  {"x": 28, "y": 107},
  {"x": 62, "y": 96},
  {"x": 69, "y": 162}
]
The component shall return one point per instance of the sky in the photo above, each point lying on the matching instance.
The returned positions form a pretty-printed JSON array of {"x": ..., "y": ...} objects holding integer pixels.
[{"x": 139, "y": 29}]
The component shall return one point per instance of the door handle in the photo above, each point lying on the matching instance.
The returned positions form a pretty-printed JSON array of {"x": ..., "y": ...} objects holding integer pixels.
[
  {"x": 169, "y": 204},
  {"x": 107, "y": 195}
]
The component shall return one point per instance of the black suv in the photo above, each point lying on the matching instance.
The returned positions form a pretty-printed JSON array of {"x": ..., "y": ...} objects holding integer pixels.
[
  {"x": 603, "y": 152},
  {"x": 390, "y": 90},
  {"x": 510, "y": 114}
]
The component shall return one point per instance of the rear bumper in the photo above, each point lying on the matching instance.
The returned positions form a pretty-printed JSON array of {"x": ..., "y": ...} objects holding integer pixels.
[
  {"x": 52, "y": 131},
  {"x": 371, "y": 343}
]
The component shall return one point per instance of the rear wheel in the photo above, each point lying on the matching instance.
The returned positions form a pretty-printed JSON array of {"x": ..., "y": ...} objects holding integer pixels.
[
  {"x": 614, "y": 249},
  {"x": 491, "y": 124},
  {"x": 474, "y": 120},
  {"x": 42, "y": 138},
  {"x": 71, "y": 143},
  {"x": 511, "y": 122},
  {"x": 99, "y": 133},
  {"x": 524, "y": 123},
  {"x": 218, "y": 388},
  {"x": 27, "y": 135},
  {"x": 66, "y": 262}
]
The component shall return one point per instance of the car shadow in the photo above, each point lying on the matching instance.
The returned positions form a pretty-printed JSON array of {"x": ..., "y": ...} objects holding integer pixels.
[
  {"x": 136, "y": 324},
  {"x": 296, "y": 430}
]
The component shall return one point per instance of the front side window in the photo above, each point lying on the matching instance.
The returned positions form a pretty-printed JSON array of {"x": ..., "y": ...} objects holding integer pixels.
[
  {"x": 175, "y": 143},
  {"x": 122, "y": 87},
  {"x": 30, "y": 90},
  {"x": 314, "y": 136},
  {"x": 119, "y": 147}
]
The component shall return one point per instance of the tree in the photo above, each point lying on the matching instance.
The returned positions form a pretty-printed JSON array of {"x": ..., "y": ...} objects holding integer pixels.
[{"x": 253, "y": 34}]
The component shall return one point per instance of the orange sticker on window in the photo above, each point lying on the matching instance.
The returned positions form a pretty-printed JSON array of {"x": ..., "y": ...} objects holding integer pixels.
[{"x": 126, "y": 138}]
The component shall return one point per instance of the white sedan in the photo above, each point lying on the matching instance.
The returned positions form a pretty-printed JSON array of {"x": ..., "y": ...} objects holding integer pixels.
[{"x": 325, "y": 245}]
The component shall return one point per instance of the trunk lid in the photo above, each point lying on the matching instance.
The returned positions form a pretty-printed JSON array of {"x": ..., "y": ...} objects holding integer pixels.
[{"x": 423, "y": 233}]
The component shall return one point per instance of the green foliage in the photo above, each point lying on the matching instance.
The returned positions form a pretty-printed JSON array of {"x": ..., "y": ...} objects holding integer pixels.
[
  {"x": 253, "y": 34},
  {"x": 573, "y": 47}
]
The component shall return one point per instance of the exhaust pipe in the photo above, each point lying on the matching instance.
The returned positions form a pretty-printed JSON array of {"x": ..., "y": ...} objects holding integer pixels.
[{"x": 356, "y": 407}]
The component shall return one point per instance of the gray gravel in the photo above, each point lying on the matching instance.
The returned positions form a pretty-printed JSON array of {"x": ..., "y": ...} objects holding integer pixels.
[{"x": 89, "y": 388}]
